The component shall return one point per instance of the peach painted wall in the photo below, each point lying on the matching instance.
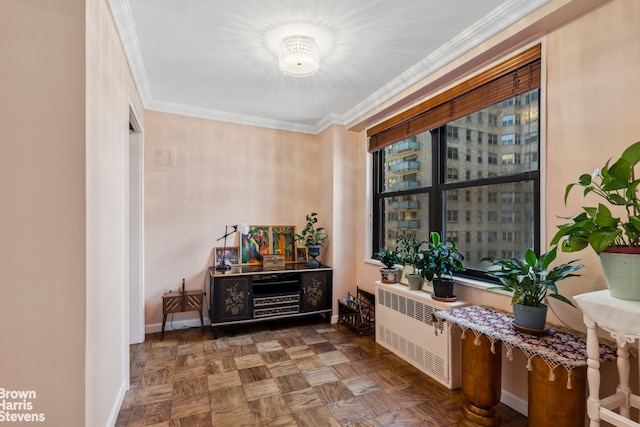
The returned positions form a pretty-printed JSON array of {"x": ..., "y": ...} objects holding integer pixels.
[
  {"x": 66, "y": 90},
  {"x": 339, "y": 190},
  {"x": 42, "y": 117},
  {"x": 223, "y": 174},
  {"x": 110, "y": 90}
]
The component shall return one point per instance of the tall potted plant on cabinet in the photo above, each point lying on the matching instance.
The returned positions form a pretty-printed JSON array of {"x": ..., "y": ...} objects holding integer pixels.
[
  {"x": 439, "y": 261},
  {"x": 313, "y": 238},
  {"x": 530, "y": 281},
  {"x": 408, "y": 247},
  {"x": 615, "y": 239}
]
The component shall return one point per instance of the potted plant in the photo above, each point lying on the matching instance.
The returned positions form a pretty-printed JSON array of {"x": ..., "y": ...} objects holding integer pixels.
[
  {"x": 408, "y": 248},
  {"x": 313, "y": 238},
  {"x": 439, "y": 260},
  {"x": 530, "y": 281},
  {"x": 389, "y": 258},
  {"x": 615, "y": 239}
]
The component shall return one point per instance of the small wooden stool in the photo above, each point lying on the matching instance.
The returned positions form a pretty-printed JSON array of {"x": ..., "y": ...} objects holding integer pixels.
[{"x": 179, "y": 302}]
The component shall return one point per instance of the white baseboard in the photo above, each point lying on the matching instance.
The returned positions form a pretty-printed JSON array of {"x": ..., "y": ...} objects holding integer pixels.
[
  {"x": 514, "y": 402},
  {"x": 115, "y": 410},
  {"x": 176, "y": 324}
]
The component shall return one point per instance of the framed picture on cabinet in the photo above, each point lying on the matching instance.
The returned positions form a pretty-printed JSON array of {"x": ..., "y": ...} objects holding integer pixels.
[
  {"x": 255, "y": 243},
  {"x": 302, "y": 254},
  {"x": 229, "y": 254},
  {"x": 282, "y": 238}
]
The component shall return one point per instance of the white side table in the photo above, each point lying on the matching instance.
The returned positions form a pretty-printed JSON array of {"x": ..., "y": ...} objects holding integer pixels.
[{"x": 621, "y": 319}]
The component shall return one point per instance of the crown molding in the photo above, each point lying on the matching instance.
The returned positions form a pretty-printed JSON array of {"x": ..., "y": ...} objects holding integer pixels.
[{"x": 500, "y": 19}]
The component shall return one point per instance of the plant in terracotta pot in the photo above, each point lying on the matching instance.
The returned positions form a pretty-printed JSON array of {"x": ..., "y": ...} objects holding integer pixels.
[
  {"x": 389, "y": 258},
  {"x": 616, "y": 239},
  {"x": 439, "y": 261},
  {"x": 530, "y": 281},
  {"x": 313, "y": 238},
  {"x": 408, "y": 247}
]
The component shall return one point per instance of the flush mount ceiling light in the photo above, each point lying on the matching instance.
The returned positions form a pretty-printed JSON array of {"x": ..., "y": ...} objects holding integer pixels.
[{"x": 299, "y": 56}]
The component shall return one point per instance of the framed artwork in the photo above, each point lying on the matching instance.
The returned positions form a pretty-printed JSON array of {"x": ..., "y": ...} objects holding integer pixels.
[
  {"x": 282, "y": 238},
  {"x": 255, "y": 243},
  {"x": 230, "y": 254},
  {"x": 302, "y": 254}
]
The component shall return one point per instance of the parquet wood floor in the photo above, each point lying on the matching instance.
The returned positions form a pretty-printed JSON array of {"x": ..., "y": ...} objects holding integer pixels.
[{"x": 281, "y": 373}]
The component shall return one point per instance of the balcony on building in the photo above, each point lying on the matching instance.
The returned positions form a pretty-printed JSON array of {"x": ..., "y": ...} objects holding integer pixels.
[
  {"x": 406, "y": 145},
  {"x": 405, "y": 205},
  {"x": 412, "y": 224},
  {"x": 407, "y": 165},
  {"x": 404, "y": 185}
]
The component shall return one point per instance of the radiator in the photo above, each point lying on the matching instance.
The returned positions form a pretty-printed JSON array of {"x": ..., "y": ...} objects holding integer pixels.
[{"x": 404, "y": 326}]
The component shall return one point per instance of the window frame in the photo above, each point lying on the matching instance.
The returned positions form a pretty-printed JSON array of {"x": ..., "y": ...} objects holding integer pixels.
[{"x": 436, "y": 192}]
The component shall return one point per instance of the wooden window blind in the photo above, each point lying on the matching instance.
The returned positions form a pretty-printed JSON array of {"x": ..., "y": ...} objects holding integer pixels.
[{"x": 512, "y": 77}]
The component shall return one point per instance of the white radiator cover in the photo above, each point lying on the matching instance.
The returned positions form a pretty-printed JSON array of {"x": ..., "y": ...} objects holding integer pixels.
[{"x": 404, "y": 326}]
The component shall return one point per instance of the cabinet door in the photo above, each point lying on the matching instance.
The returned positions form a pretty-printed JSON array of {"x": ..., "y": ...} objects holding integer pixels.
[
  {"x": 233, "y": 302},
  {"x": 316, "y": 291}
]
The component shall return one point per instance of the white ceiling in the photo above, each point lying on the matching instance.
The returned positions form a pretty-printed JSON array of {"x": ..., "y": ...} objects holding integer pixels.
[{"x": 218, "y": 58}]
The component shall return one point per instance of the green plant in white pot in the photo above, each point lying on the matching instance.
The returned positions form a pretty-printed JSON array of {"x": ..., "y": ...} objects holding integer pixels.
[
  {"x": 389, "y": 258},
  {"x": 439, "y": 261},
  {"x": 313, "y": 238},
  {"x": 530, "y": 281},
  {"x": 408, "y": 247},
  {"x": 616, "y": 239}
]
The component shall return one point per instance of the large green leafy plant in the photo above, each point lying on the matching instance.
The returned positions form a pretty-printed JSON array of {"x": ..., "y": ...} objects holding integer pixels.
[
  {"x": 529, "y": 279},
  {"x": 440, "y": 259},
  {"x": 597, "y": 226},
  {"x": 311, "y": 234}
]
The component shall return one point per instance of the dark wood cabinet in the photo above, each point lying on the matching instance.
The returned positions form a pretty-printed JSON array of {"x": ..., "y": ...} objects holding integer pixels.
[
  {"x": 316, "y": 291},
  {"x": 250, "y": 294},
  {"x": 232, "y": 297}
]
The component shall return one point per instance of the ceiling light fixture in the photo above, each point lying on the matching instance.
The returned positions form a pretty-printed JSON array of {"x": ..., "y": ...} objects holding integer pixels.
[{"x": 299, "y": 56}]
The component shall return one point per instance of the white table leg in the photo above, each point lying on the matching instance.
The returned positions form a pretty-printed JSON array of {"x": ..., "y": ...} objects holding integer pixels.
[
  {"x": 593, "y": 371},
  {"x": 623, "y": 376}
]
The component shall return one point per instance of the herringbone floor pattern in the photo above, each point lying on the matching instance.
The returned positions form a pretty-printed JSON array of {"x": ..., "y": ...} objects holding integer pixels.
[{"x": 283, "y": 374}]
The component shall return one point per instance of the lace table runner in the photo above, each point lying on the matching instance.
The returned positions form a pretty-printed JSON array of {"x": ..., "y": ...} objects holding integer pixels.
[{"x": 557, "y": 347}]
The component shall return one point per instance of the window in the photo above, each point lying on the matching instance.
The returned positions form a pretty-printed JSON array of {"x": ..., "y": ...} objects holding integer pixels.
[
  {"x": 510, "y": 120},
  {"x": 531, "y": 138},
  {"x": 452, "y": 132},
  {"x": 511, "y": 159},
  {"x": 422, "y": 193},
  {"x": 511, "y": 101},
  {"x": 511, "y": 139}
]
